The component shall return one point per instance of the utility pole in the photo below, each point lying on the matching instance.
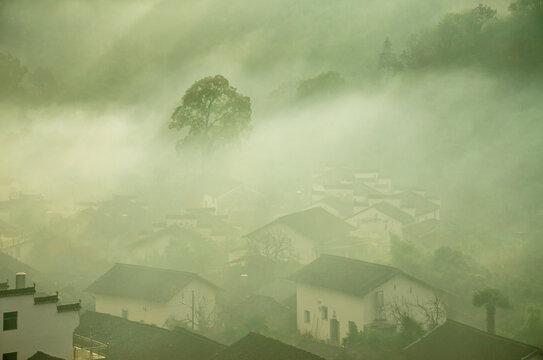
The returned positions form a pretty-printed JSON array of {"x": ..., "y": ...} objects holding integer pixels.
[{"x": 192, "y": 308}]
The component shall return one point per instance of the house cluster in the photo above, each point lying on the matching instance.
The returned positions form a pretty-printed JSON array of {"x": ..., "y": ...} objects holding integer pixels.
[
  {"x": 374, "y": 206},
  {"x": 298, "y": 275}
]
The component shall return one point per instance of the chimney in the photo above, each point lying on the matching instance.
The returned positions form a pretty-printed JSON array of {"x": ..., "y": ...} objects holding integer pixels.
[{"x": 20, "y": 278}]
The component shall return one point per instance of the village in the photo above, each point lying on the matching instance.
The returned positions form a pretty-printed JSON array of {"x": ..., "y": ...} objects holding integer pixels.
[
  {"x": 271, "y": 180},
  {"x": 232, "y": 276}
]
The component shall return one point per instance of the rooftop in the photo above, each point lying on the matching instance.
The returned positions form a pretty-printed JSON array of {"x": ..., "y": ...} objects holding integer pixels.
[
  {"x": 453, "y": 340},
  {"x": 143, "y": 283},
  {"x": 354, "y": 277},
  {"x": 315, "y": 223},
  {"x": 390, "y": 210},
  {"x": 258, "y": 347},
  {"x": 137, "y": 341}
]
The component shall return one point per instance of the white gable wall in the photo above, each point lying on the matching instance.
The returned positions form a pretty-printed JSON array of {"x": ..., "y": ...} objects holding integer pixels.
[
  {"x": 39, "y": 328},
  {"x": 400, "y": 290},
  {"x": 156, "y": 313},
  {"x": 304, "y": 248},
  {"x": 373, "y": 223}
]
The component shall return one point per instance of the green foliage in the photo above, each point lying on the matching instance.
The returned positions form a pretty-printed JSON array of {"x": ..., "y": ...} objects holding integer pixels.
[
  {"x": 388, "y": 60},
  {"x": 490, "y": 297},
  {"x": 325, "y": 84},
  {"x": 12, "y": 73},
  {"x": 526, "y": 7},
  {"x": 532, "y": 330},
  {"x": 213, "y": 112}
]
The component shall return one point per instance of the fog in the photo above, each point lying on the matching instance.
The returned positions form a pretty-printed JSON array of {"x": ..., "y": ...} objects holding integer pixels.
[{"x": 443, "y": 96}]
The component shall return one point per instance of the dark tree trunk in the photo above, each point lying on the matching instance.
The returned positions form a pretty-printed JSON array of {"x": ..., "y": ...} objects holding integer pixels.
[{"x": 491, "y": 319}]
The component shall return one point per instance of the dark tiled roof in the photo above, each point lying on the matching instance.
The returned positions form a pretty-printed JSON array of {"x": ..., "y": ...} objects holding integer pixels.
[
  {"x": 69, "y": 307},
  {"x": 392, "y": 211},
  {"x": 142, "y": 282},
  {"x": 346, "y": 275},
  {"x": 343, "y": 207},
  {"x": 43, "y": 356},
  {"x": 137, "y": 341},
  {"x": 453, "y": 340},
  {"x": 18, "y": 292},
  {"x": 421, "y": 204},
  {"x": 315, "y": 223},
  {"x": 46, "y": 299},
  {"x": 257, "y": 347},
  {"x": 4, "y": 285}
]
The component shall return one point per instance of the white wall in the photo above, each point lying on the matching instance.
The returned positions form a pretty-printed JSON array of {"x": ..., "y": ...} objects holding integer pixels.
[
  {"x": 342, "y": 307},
  {"x": 39, "y": 328},
  {"x": 372, "y": 223},
  {"x": 155, "y": 313},
  {"x": 362, "y": 311},
  {"x": 303, "y": 248}
]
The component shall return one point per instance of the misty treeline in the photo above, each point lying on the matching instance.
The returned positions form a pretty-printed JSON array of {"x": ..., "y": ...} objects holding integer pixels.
[{"x": 458, "y": 113}]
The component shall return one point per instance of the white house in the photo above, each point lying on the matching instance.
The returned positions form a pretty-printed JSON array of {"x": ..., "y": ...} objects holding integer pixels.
[
  {"x": 335, "y": 293},
  {"x": 307, "y": 233},
  {"x": 155, "y": 296},
  {"x": 32, "y": 323},
  {"x": 379, "y": 221}
]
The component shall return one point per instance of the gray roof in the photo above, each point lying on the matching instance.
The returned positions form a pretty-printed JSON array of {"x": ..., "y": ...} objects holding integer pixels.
[
  {"x": 453, "y": 340},
  {"x": 258, "y": 347},
  {"x": 346, "y": 275},
  {"x": 137, "y": 341},
  {"x": 315, "y": 223},
  {"x": 143, "y": 283},
  {"x": 390, "y": 210}
]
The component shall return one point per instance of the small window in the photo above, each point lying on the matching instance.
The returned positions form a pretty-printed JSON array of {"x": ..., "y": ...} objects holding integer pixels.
[
  {"x": 307, "y": 316},
  {"x": 10, "y": 321},
  {"x": 124, "y": 314},
  {"x": 9, "y": 356},
  {"x": 324, "y": 312}
]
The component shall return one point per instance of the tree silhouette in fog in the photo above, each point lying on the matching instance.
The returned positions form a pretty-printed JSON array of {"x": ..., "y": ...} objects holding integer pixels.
[
  {"x": 490, "y": 299},
  {"x": 211, "y": 112}
]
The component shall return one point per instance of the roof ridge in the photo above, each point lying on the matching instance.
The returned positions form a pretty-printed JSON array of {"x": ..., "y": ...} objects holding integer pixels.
[
  {"x": 156, "y": 268},
  {"x": 486, "y": 333},
  {"x": 362, "y": 261},
  {"x": 192, "y": 333}
]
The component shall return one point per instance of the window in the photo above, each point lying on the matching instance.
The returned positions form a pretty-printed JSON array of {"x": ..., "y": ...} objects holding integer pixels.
[
  {"x": 324, "y": 312},
  {"x": 9, "y": 356},
  {"x": 10, "y": 321},
  {"x": 307, "y": 316},
  {"x": 124, "y": 314}
]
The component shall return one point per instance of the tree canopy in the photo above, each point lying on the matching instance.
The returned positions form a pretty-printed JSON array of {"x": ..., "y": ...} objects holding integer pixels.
[{"x": 212, "y": 111}]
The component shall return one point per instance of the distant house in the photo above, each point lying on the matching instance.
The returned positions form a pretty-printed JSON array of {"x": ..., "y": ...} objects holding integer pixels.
[
  {"x": 155, "y": 243},
  {"x": 155, "y": 296},
  {"x": 379, "y": 221},
  {"x": 43, "y": 356},
  {"x": 35, "y": 323},
  {"x": 424, "y": 232},
  {"x": 424, "y": 207},
  {"x": 335, "y": 293},
  {"x": 453, "y": 340},
  {"x": 136, "y": 341},
  {"x": 308, "y": 232},
  {"x": 13, "y": 241},
  {"x": 258, "y": 347},
  {"x": 205, "y": 222},
  {"x": 233, "y": 197},
  {"x": 337, "y": 206}
]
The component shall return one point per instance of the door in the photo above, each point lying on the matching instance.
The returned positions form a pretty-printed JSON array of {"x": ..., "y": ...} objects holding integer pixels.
[{"x": 334, "y": 331}]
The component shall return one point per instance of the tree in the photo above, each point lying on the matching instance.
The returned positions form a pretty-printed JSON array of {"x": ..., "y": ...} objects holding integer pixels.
[
  {"x": 273, "y": 245},
  {"x": 12, "y": 73},
  {"x": 211, "y": 112},
  {"x": 388, "y": 61},
  {"x": 491, "y": 299},
  {"x": 325, "y": 84},
  {"x": 526, "y": 7}
]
